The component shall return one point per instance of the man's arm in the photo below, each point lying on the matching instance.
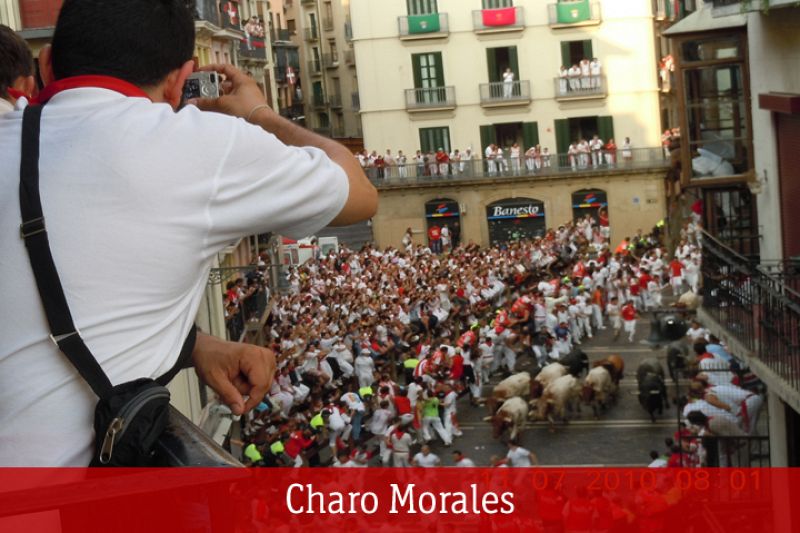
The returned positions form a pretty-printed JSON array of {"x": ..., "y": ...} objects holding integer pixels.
[
  {"x": 234, "y": 370},
  {"x": 244, "y": 99}
]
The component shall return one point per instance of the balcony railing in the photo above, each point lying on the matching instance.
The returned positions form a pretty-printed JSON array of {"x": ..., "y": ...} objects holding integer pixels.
[
  {"x": 568, "y": 14},
  {"x": 310, "y": 34},
  {"x": 335, "y": 101},
  {"x": 755, "y": 304},
  {"x": 356, "y": 101},
  {"x": 431, "y": 98},
  {"x": 281, "y": 35},
  {"x": 581, "y": 87},
  {"x": 253, "y": 48},
  {"x": 349, "y": 57},
  {"x": 315, "y": 67},
  {"x": 319, "y": 102},
  {"x": 498, "y": 20},
  {"x": 330, "y": 61},
  {"x": 432, "y": 26},
  {"x": 551, "y": 165},
  {"x": 499, "y": 94}
]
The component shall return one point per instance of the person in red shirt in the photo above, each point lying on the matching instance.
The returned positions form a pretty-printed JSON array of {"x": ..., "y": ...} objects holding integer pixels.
[
  {"x": 628, "y": 312},
  {"x": 676, "y": 276},
  {"x": 457, "y": 369},
  {"x": 298, "y": 442},
  {"x": 444, "y": 162},
  {"x": 435, "y": 238}
]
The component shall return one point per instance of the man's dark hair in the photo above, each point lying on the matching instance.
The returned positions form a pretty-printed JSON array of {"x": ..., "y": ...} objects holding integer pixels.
[
  {"x": 15, "y": 59},
  {"x": 139, "y": 41}
]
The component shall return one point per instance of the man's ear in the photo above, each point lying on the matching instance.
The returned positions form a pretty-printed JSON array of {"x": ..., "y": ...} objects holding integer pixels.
[
  {"x": 46, "y": 65},
  {"x": 25, "y": 84},
  {"x": 173, "y": 85}
]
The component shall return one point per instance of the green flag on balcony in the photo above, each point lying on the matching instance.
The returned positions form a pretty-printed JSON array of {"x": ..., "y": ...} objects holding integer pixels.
[
  {"x": 569, "y": 12},
  {"x": 423, "y": 23}
]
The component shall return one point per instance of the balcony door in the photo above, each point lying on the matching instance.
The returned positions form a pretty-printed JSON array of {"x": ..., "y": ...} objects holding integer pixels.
[
  {"x": 497, "y": 4},
  {"x": 572, "y": 52},
  {"x": 571, "y": 130},
  {"x": 429, "y": 78},
  {"x": 499, "y": 59},
  {"x": 422, "y": 7}
]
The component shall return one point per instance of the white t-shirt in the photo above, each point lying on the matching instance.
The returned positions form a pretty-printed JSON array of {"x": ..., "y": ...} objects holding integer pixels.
[
  {"x": 519, "y": 456},
  {"x": 128, "y": 182},
  {"x": 427, "y": 461},
  {"x": 466, "y": 462}
]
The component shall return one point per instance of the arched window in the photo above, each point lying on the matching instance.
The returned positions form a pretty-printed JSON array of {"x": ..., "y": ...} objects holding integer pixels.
[
  {"x": 592, "y": 202},
  {"x": 512, "y": 219},
  {"x": 444, "y": 212}
]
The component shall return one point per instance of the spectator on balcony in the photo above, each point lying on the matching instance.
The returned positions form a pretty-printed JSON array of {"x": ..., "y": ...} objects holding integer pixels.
[
  {"x": 583, "y": 154},
  {"x": 515, "y": 159},
  {"x": 610, "y": 153},
  {"x": 573, "y": 154},
  {"x": 490, "y": 156},
  {"x": 443, "y": 160},
  {"x": 250, "y": 30},
  {"x": 508, "y": 83},
  {"x": 402, "y": 161},
  {"x": 596, "y": 147},
  {"x": 390, "y": 164},
  {"x": 546, "y": 157},
  {"x": 466, "y": 162},
  {"x": 627, "y": 150},
  {"x": 666, "y": 139},
  {"x": 455, "y": 162},
  {"x": 574, "y": 74},
  {"x": 595, "y": 71},
  {"x": 432, "y": 166},
  {"x": 16, "y": 69},
  {"x": 563, "y": 80},
  {"x": 502, "y": 164},
  {"x": 530, "y": 159},
  {"x": 380, "y": 167},
  {"x": 586, "y": 72},
  {"x": 419, "y": 161}
]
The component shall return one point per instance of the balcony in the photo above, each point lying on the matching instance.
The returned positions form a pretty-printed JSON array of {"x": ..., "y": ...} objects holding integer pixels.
[
  {"x": 314, "y": 67},
  {"x": 581, "y": 88},
  {"x": 319, "y": 102},
  {"x": 281, "y": 36},
  {"x": 356, "y": 101},
  {"x": 546, "y": 166},
  {"x": 330, "y": 61},
  {"x": 335, "y": 101},
  {"x": 350, "y": 58},
  {"x": 310, "y": 35},
  {"x": 498, "y": 20},
  {"x": 253, "y": 48},
  {"x": 432, "y": 26},
  {"x": 501, "y": 94},
  {"x": 574, "y": 14},
  {"x": 431, "y": 99},
  {"x": 327, "y": 23}
]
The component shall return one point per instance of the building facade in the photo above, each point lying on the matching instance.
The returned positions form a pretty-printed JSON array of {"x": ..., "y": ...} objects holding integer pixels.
[
  {"x": 434, "y": 74},
  {"x": 739, "y": 94},
  {"x": 322, "y": 31}
]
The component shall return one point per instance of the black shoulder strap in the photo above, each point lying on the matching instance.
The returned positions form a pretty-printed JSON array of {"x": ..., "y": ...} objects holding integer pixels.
[
  {"x": 63, "y": 331},
  {"x": 64, "y": 334}
]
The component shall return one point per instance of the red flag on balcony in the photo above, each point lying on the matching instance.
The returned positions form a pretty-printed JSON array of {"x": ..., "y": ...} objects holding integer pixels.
[{"x": 506, "y": 16}]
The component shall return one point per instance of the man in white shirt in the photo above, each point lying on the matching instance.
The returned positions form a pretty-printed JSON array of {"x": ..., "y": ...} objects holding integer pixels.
[
  {"x": 596, "y": 146},
  {"x": 426, "y": 458},
  {"x": 461, "y": 461},
  {"x": 508, "y": 83},
  {"x": 184, "y": 186},
  {"x": 518, "y": 456},
  {"x": 594, "y": 70},
  {"x": 491, "y": 165}
]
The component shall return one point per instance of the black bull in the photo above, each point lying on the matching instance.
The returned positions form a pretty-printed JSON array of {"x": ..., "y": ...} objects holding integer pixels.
[{"x": 652, "y": 390}]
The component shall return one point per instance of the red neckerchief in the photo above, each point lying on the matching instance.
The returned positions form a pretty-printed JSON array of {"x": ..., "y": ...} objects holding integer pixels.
[
  {"x": 100, "y": 82},
  {"x": 13, "y": 93}
]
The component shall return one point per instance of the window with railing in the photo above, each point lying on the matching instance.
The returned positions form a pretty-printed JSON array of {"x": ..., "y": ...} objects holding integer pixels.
[
  {"x": 718, "y": 131},
  {"x": 422, "y": 7}
]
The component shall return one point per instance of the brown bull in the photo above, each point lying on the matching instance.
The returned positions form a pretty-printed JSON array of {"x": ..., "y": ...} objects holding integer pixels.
[{"x": 615, "y": 366}]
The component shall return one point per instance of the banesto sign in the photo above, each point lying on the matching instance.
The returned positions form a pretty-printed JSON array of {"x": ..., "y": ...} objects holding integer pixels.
[{"x": 530, "y": 210}]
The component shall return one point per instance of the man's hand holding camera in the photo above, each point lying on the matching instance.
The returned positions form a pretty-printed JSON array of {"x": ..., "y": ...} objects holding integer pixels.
[{"x": 240, "y": 96}]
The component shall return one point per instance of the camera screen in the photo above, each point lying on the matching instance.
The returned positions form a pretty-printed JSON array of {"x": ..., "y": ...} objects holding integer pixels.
[{"x": 191, "y": 89}]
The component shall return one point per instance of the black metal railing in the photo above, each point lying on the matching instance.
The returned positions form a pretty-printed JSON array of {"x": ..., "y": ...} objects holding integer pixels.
[{"x": 756, "y": 304}]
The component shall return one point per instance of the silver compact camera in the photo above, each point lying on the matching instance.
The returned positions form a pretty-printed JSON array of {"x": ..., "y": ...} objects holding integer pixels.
[{"x": 201, "y": 85}]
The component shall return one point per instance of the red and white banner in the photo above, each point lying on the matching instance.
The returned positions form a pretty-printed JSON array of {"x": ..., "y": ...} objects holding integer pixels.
[
  {"x": 361, "y": 499},
  {"x": 506, "y": 16}
]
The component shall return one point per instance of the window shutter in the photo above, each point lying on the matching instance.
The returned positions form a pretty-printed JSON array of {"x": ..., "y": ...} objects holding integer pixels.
[
  {"x": 488, "y": 136},
  {"x": 562, "y": 135},
  {"x": 514, "y": 62},
  {"x": 439, "y": 66},
  {"x": 491, "y": 61},
  {"x": 605, "y": 128},
  {"x": 587, "y": 49},
  {"x": 565, "y": 55},
  {"x": 530, "y": 134},
  {"x": 417, "y": 68}
]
